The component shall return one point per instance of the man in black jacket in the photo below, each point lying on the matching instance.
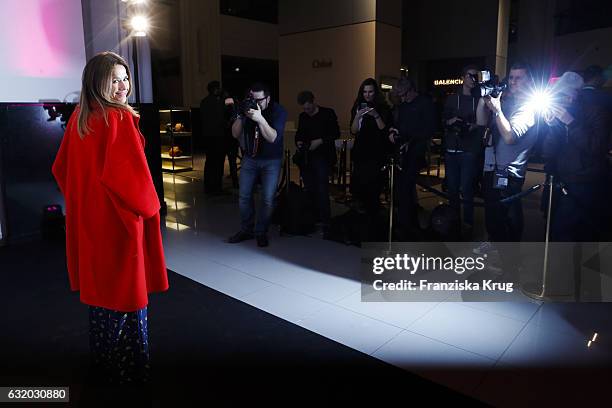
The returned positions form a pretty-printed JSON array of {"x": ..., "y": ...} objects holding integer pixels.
[
  {"x": 315, "y": 139},
  {"x": 463, "y": 143},
  {"x": 411, "y": 134},
  {"x": 576, "y": 148},
  {"x": 213, "y": 129}
]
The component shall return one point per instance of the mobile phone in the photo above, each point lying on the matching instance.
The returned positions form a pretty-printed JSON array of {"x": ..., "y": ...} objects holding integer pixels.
[{"x": 363, "y": 105}]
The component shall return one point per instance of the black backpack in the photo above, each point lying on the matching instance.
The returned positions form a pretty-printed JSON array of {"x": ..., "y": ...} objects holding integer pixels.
[{"x": 295, "y": 212}]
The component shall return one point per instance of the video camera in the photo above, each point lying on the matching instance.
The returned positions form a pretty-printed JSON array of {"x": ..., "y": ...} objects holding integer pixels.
[{"x": 487, "y": 85}]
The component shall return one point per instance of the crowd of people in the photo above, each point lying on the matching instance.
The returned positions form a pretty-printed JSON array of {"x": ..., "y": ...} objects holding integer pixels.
[{"x": 487, "y": 142}]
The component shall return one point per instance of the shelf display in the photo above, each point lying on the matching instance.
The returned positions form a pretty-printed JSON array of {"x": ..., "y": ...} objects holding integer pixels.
[{"x": 176, "y": 140}]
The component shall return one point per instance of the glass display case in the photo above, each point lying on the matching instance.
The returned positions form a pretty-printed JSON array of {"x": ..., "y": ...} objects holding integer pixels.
[{"x": 176, "y": 140}]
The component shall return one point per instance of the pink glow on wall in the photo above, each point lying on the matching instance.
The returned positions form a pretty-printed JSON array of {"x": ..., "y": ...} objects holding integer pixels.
[{"x": 41, "y": 40}]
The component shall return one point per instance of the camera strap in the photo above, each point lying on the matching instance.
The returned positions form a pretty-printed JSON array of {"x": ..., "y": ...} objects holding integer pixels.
[
  {"x": 459, "y": 107},
  {"x": 500, "y": 175},
  {"x": 255, "y": 141}
]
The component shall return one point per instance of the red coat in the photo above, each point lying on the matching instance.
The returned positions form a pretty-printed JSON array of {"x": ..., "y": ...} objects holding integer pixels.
[{"x": 113, "y": 237}]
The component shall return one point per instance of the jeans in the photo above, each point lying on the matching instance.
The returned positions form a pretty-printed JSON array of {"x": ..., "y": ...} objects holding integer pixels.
[
  {"x": 268, "y": 171},
  {"x": 461, "y": 173},
  {"x": 315, "y": 175}
]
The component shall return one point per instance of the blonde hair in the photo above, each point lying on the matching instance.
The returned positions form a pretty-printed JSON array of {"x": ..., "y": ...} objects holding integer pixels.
[{"x": 96, "y": 89}]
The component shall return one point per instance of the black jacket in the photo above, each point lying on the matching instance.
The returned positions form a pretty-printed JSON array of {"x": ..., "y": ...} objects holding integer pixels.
[
  {"x": 577, "y": 152},
  {"x": 458, "y": 137},
  {"x": 372, "y": 143},
  {"x": 323, "y": 125},
  {"x": 415, "y": 123}
]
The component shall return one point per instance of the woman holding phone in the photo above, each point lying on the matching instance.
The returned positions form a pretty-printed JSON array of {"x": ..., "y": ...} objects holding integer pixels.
[{"x": 370, "y": 118}]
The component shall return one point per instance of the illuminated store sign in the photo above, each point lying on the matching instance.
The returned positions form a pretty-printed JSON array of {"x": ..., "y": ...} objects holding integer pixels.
[{"x": 445, "y": 82}]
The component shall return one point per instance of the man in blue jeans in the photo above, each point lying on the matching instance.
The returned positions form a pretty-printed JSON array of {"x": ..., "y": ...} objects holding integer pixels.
[
  {"x": 463, "y": 142},
  {"x": 259, "y": 128}
]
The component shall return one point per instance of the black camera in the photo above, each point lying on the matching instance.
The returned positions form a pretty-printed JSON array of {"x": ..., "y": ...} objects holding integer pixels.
[
  {"x": 246, "y": 104},
  {"x": 300, "y": 157},
  {"x": 460, "y": 127},
  {"x": 487, "y": 85}
]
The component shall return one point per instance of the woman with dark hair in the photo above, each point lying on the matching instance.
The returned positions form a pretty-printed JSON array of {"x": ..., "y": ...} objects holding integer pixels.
[
  {"x": 370, "y": 117},
  {"x": 113, "y": 238}
]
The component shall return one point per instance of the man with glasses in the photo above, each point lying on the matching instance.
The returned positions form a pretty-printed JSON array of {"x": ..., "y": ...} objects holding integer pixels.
[
  {"x": 511, "y": 120},
  {"x": 463, "y": 142},
  {"x": 260, "y": 132}
]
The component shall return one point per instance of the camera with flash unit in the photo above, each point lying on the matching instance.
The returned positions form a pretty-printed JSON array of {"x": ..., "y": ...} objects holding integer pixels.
[{"x": 487, "y": 84}]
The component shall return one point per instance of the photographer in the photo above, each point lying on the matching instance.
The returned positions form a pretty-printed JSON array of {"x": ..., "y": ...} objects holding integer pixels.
[
  {"x": 259, "y": 127},
  {"x": 576, "y": 147},
  {"x": 511, "y": 139},
  {"x": 463, "y": 141},
  {"x": 411, "y": 135},
  {"x": 317, "y": 130}
]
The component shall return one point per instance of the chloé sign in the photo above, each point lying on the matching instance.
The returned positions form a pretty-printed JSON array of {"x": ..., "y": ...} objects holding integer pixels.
[
  {"x": 443, "y": 82},
  {"x": 322, "y": 63}
]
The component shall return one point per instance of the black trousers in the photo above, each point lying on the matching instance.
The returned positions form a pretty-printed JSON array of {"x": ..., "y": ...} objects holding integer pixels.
[
  {"x": 315, "y": 174},
  {"x": 405, "y": 190},
  {"x": 578, "y": 217},
  {"x": 213, "y": 168},
  {"x": 504, "y": 222},
  {"x": 231, "y": 151},
  {"x": 366, "y": 183}
]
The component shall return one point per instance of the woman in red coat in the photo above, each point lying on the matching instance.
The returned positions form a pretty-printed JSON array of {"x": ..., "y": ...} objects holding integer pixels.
[{"x": 113, "y": 239}]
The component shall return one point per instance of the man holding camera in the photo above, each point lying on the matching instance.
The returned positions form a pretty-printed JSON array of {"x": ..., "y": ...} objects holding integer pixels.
[
  {"x": 576, "y": 148},
  {"x": 463, "y": 141},
  {"x": 411, "y": 134},
  {"x": 317, "y": 130},
  {"x": 510, "y": 119},
  {"x": 259, "y": 127}
]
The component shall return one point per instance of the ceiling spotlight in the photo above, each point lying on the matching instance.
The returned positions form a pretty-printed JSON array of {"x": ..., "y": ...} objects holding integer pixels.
[{"x": 140, "y": 25}]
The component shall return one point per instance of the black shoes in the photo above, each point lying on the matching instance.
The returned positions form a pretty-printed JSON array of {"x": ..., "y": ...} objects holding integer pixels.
[
  {"x": 239, "y": 237},
  {"x": 262, "y": 240}
]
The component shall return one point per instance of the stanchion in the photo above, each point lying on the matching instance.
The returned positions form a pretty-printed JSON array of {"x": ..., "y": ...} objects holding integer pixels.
[
  {"x": 533, "y": 289},
  {"x": 391, "y": 168},
  {"x": 284, "y": 185},
  {"x": 344, "y": 196}
]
